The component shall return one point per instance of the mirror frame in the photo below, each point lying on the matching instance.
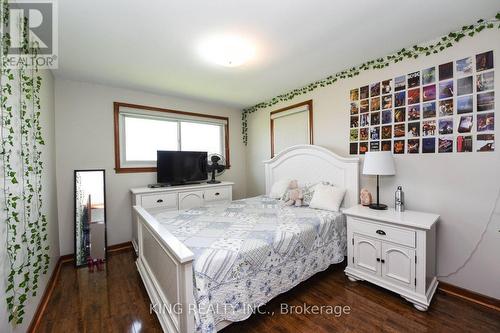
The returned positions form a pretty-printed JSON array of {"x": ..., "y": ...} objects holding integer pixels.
[{"x": 105, "y": 215}]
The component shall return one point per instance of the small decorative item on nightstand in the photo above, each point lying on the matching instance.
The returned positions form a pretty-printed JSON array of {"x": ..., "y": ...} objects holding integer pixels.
[
  {"x": 399, "y": 200},
  {"x": 365, "y": 197}
]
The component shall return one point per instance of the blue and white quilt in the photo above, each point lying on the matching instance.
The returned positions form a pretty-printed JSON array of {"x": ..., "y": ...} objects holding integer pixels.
[{"x": 251, "y": 250}]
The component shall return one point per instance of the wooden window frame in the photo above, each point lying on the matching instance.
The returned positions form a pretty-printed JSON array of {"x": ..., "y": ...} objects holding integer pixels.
[
  {"x": 116, "y": 117},
  {"x": 309, "y": 104}
]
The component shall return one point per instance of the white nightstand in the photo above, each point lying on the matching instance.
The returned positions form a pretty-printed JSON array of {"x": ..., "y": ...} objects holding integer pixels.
[{"x": 393, "y": 250}]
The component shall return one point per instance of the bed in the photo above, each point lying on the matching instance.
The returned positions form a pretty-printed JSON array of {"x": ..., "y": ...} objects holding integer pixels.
[{"x": 207, "y": 267}]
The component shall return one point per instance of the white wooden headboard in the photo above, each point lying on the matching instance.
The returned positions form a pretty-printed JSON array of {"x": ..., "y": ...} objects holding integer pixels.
[{"x": 311, "y": 164}]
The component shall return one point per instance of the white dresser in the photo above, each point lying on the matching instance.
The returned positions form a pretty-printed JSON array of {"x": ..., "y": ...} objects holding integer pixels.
[
  {"x": 393, "y": 250},
  {"x": 179, "y": 198}
]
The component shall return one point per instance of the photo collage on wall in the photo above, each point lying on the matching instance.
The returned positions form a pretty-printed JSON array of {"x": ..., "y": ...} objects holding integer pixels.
[{"x": 442, "y": 109}]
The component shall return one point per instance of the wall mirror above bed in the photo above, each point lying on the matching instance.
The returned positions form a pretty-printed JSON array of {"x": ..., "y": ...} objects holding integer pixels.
[
  {"x": 292, "y": 125},
  {"x": 90, "y": 218}
]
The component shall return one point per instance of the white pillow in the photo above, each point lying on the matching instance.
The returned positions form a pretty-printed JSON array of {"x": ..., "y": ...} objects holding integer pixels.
[
  {"x": 279, "y": 188},
  {"x": 327, "y": 197}
]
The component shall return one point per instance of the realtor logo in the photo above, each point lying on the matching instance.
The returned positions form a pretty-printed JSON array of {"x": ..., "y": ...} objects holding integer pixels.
[{"x": 30, "y": 25}]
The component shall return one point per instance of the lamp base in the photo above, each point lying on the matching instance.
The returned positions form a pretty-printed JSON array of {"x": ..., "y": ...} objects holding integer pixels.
[{"x": 378, "y": 206}]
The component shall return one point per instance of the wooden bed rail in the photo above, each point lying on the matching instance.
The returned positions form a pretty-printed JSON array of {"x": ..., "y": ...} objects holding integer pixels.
[{"x": 166, "y": 268}]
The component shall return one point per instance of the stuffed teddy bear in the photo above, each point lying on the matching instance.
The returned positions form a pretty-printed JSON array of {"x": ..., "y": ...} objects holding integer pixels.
[{"x": 295, "y": 194}]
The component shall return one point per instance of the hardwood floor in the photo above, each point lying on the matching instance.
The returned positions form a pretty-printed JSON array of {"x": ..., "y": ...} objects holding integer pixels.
[{"x": 115, "y": 300}]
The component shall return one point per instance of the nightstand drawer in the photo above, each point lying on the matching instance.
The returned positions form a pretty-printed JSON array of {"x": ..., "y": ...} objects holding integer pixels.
[
  {"x": 217, "y": 194},
  {"x": 383, "y": 232},
  {"x": 163, "y": 200}
]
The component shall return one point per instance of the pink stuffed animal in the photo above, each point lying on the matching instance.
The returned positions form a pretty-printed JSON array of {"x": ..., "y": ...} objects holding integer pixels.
[
  {"x": 295, "y": 194},
  {"x": 365, "y": 197}
]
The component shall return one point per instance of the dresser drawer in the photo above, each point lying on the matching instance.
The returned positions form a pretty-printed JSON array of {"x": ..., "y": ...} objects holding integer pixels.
[
  {"x": 383, "y": 232},
  {"x": 161, "y": 200},
  {"x": 217, "y": 194}
]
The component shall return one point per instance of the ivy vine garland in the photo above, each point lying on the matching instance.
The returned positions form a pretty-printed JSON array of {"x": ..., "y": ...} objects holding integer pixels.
[
  {"x": 406, "y": 53},
  {"x": 21, "y": 174}
]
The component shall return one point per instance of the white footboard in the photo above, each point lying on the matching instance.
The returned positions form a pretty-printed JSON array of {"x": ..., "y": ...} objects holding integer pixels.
[{"x": 166, "y": 268}]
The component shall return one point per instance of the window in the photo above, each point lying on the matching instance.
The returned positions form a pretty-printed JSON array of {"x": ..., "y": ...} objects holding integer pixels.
[
  {"x": 291, "y": 126},
  {"x": 140, "y": 131},
  {"x": 143, "y": 137}
]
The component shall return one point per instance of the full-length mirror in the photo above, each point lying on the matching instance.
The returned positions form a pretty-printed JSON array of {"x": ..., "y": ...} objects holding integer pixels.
[{"x": 90, "y": 218}]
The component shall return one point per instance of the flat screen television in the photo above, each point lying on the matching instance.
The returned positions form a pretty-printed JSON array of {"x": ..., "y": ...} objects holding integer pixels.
[{"x": 181, "y": 167}]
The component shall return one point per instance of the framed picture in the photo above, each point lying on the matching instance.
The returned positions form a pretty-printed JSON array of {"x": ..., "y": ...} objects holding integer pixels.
[
  {"x": 464, "y": 144},
  {"x": 484, "y": 61},
  {"x": 429, "y": 110},
  {"x": 428, "y": 145},
  {"x": 485, "y": 142},
  {"x": 413, "y": 146},
  {"x": 445, "y": 144},
  {"x": 446, "y": 71},
  {"x": 429, "y": 75},
  {"x": 429, "y": 127},
  {"x": 464, "y": 86},
  {"x": 485, "y": 81},
  {"x": 429, "y": 93},
  {"x": 413, "y": 79},
  {"x": 464, "y": 66}
]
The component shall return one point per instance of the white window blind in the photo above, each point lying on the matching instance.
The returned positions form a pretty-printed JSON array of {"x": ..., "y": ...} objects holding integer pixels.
[{"x": 290, "y": 128}]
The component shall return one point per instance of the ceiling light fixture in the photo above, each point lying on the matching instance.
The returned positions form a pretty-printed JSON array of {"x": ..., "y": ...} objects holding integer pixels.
[{"x": 229, "y": 51}]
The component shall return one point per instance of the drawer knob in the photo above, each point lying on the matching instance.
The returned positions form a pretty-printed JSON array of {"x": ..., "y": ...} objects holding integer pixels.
[
  {"x": 382, "y": 260},
  {"x": 378, "y": 259},
  {"x": 380, "y": 232},
  {"x": 159, "y": 200},
  {"x": 217, "y": 193}
]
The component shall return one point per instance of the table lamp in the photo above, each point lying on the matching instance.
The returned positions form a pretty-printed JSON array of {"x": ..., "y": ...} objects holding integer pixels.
[{"x": 379, "y": 163}]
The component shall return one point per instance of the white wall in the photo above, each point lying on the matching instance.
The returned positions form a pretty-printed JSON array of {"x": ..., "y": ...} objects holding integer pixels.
[
  {"x": 49, "y": 204},
  {"x": 460, "y": 187},
  {"x": 84, "y": 135}
]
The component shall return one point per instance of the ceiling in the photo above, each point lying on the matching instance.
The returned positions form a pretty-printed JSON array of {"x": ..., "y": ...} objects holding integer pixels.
[{"x": 153, "y": 45}]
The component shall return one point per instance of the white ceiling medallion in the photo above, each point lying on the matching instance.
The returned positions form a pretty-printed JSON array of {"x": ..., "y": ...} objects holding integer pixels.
[{"x": 227, "y": 50}]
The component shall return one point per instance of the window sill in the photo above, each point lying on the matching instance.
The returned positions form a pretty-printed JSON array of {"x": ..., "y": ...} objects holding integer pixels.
[
  {"x": 142, "y": 169},
  {"x": 135, "y": 169}
]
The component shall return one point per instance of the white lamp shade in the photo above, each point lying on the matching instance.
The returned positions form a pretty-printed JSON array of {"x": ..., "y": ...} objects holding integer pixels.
[{"x": 379, "y": 163}]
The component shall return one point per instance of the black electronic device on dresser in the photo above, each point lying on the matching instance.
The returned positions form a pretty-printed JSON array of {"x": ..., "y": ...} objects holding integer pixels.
[{"x": 181, "y": 167}]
